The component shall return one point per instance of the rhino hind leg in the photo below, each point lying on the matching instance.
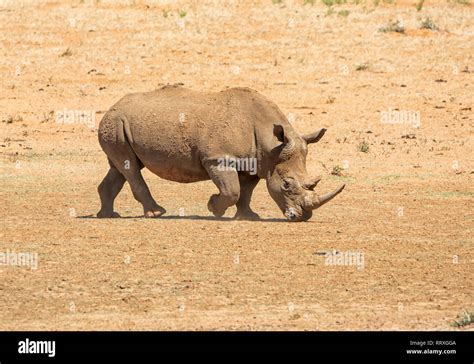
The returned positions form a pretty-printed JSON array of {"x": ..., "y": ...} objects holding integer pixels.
[
  {"x": 247, "y": 185},
  {"x": 131, "y": 169},
  {"x": 123, "y": 159},
  {"x": 108, "y": 190},
  {"x": 227, "y": 181}
]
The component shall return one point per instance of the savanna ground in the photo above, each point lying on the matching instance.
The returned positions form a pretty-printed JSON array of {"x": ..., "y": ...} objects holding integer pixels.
[{"x": 408, "y": 203}]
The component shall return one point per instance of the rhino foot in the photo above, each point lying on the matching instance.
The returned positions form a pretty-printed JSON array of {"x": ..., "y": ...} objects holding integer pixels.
[
  {"x": 212, "y": 206},
  {"x": 107, "y": 214},
  {"x": 155, "y": 212},
  {"x": 246, "y": 215}
]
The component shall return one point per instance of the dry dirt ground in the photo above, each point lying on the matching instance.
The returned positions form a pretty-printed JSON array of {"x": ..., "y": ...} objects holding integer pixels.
[{"x": 407, "y": 207}]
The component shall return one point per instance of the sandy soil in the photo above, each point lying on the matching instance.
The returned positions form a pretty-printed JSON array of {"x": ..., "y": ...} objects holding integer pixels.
[{"x": 407, "y": 207}]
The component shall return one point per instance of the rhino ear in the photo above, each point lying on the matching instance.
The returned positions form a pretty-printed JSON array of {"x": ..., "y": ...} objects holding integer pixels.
[
  {"x": 284, "y": 137},
  {"x": 314, "y": 137},
  {"x": 279, "y": 132}
]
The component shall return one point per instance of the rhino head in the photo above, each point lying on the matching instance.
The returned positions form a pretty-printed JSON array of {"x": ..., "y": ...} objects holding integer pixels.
[{"x": 288, "y": 182}]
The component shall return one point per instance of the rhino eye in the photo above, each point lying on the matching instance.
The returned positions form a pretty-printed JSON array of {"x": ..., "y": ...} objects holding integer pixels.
[{"x": 285, "y": 186}]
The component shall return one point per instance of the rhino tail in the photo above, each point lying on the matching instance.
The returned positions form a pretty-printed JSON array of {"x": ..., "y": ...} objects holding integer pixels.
[{"x": 124, "y": 133}]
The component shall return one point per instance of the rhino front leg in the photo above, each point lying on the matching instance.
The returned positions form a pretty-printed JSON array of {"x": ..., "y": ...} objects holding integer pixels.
[
  {"x": 247, "y": 185},
  {"x": 227, "y": 181}
]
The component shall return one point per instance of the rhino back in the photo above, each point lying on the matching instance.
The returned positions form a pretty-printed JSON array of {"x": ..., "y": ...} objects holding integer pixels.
[
  {"x": 176, "y": 119},
  {"x": 174, "y": 130}
]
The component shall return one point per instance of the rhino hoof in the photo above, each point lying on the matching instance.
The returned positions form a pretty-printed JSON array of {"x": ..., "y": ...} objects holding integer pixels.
[
  {"x": 107, "y": 215},
  {"x": 155, "y": 213},
  {"x": 211, "y": 206},
  {"x": 246, "y": 215}
]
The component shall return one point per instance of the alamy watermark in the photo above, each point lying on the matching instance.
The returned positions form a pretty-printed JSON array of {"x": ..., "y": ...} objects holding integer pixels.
[
  {"x": 345, "y": 259},
  {"x": 66, "y": 116},
  {"x": 23, "y": 259},
  {"x": 28, "y": 346},
  {"x": 395, "y": 116},
  {"x": 239, "y": 164}
]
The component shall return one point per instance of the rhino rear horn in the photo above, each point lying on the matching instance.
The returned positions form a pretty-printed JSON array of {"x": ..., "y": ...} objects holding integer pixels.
[
  {"x": 314, "y": 137},
  {"x": 311, "y": 184}
]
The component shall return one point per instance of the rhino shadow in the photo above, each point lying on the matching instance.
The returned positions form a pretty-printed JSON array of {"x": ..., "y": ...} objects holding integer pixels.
[{"x": 189, "y": 217}]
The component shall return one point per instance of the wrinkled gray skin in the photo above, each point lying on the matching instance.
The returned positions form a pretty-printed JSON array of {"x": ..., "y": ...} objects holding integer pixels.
[{"x": 180, "y": 134}]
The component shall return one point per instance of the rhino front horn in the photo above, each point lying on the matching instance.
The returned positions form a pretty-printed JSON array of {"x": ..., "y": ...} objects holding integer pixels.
[{"x": 318, "y": 201}]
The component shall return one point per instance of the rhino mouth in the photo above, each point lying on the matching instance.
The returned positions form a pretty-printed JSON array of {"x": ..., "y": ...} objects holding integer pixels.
[
  {"x": 292, "y": 215},
  {"x": 312, "y": 201}
]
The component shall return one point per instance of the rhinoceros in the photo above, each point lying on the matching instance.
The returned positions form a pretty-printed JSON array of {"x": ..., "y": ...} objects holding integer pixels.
[{"x": 188, "y": 136}]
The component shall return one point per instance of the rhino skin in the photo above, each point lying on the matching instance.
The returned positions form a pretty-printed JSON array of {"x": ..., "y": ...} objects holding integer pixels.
[{"x": 183, "y": 135}]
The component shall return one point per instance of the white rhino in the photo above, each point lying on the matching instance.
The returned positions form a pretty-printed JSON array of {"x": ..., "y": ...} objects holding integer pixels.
[{"x": 188, "y": 136}]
